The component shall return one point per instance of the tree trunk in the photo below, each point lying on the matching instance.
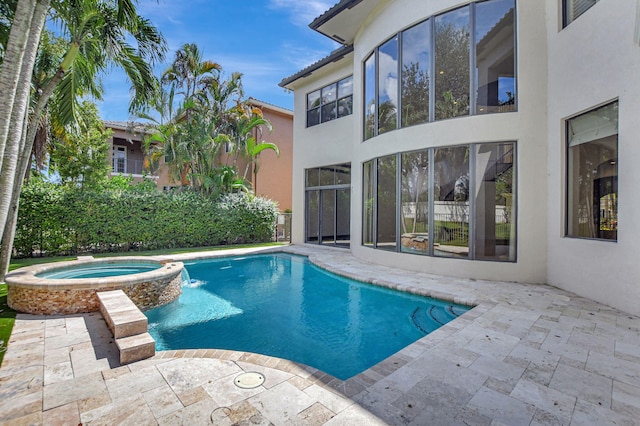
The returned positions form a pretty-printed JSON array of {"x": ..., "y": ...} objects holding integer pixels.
[
  {"x": 20, "y": 141},
  {"x": 11, "y": 67}
]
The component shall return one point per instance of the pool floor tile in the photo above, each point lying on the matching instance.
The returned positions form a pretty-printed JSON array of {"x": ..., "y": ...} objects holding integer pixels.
[{"x": 526, "y": 354}]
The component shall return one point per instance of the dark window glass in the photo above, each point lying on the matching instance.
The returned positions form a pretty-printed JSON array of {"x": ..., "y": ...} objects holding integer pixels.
[
  {"x": 326, "y": 176},
  {"x": 331, "y": 102},
  {"x": 312, "y": 178},
  {"x": 451, "y": 208},
  {"x": 343, "y": 217},
  {"x": 345, "y": 106},
  {"x": 388, "y": 86},
  {"x": 368, "y": 203},
  {"x": 452, "y": 47},
  {"x": 386, "y": 195},
  {"x": 592, "y": 187},
  {"x": 416, "y": 64},
  {"x": 313, "y": 100},
  {"x": 313, "y": 117},
  {"x": 574, "y": 8},
  {"x": 495, "y": 58},
  {"x": 328, "y": 216},
  {"x": 313, "y": 214},
  {"x": 329, "y": 112},
  {"x": 369, "y": 97},
  {"x": 343, "y": 174},
  {"x": 345, "y": 87},
  {"x": 494, "y": 203},
  {"x": 415, "y": 202}
]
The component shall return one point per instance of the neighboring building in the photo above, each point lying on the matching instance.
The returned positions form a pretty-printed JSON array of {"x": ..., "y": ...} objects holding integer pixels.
[
  {"x": 274, "y": 172},
  {"x": 481, "y": 139},
  {"x": 128, "y": 155}
]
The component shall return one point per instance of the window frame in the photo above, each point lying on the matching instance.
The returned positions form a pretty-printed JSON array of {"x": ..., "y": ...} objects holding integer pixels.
[
  {"x": 565, "y": 12},
  {"x": 472, "y": 89},
  {"x": 567, "y": 195},
  {"x": 473, "y": 242},
  {"x": 335, "y": 102}
]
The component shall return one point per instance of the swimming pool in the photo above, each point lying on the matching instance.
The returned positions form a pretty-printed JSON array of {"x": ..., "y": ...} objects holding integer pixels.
[{"x": 282, "y": 305}]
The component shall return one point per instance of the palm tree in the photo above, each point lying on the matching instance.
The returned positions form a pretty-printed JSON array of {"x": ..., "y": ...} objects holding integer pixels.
[
  {"x": 98, "y": 34},
  {"x": 189, "y": 73},
  {"x": 15, "y": 74}
]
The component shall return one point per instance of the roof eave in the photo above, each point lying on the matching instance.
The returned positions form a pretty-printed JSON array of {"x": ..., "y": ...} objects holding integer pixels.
[{"x": 335, "y": 56}]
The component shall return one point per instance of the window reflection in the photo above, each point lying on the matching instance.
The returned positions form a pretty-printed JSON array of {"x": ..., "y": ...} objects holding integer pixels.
[
  {"x": 370, "y": 97},
  {"x": 452, "y": 44},
  {"x": 593, "y": 174},
  {"x": 368, "y": 203},
  {"x": 388, "y": 86},
  {"x": 495, "y": 58},
  {"x": 330, "y": 102},
  {"x": 416, "y": 60},
  {"x": 313, "y": 215},
  {"x": 415, "y": 202},
  {"x": 451, "y": 208},
  {"x": 494, "y": 208},
  {"x": 328, "y": 204},
  {"x": 440, "y": 204},
  {"x": 386, "y": 196}
]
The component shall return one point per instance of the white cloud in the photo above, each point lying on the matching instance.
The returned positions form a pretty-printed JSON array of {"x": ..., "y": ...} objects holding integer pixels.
[{"x": 303, "y": 12}]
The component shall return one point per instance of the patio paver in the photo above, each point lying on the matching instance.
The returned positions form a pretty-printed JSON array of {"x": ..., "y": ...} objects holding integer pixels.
[{"x": 527, "y": 354}]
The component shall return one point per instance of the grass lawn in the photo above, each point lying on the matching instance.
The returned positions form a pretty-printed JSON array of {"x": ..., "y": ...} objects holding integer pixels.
[
  {"x": 7, "y": 318},
  {"x": 8, "y": 315}
]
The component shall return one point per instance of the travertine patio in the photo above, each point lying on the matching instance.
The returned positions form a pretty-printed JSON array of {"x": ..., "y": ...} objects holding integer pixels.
[{"x": 526, "y": 354}]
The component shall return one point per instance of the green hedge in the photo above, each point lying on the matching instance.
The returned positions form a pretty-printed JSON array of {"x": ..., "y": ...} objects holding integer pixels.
[{"x": 57, "y": 221}]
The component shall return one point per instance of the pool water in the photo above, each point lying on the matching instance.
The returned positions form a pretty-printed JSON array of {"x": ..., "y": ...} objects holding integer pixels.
[
  {"x": 282, "y": 305},
  {"x": 99, "y": 270}
]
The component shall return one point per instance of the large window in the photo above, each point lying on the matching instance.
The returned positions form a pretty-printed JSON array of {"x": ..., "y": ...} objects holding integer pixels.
[
  {"x": 572, "y": 9},
  {"x": 328, "y": 205},
  {"x": 448, "y": 202},
  {"x": 415, "y": 202},
  {"x": 330, "y": 102},
  {"x": 451, "y": 202},
  {"x": 452, "y": 63},
  {"x": 388, "y": 86},
  {"x": 458, "y": 63},
  {"x": 495, "y": 57},
  {"x": 592, "y": 173},
  {"x": 416, "y": 63}
]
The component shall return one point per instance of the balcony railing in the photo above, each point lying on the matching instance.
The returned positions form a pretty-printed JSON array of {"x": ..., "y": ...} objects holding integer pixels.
[{"x": 130, "y": 167}]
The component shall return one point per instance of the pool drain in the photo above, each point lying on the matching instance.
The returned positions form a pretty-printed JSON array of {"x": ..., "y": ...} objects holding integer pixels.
[{"x": 249, "y": 380}]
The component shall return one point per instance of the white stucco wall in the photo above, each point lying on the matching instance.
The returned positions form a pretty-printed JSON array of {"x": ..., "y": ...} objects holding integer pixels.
[
  {"x": 593, "y": 61},
  {"x": 561, "y": 72},
  {"x": 321, "y": 145}
]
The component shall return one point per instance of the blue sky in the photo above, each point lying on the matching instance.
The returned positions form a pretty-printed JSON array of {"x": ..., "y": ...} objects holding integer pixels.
[{"x": 265, "y": 40}]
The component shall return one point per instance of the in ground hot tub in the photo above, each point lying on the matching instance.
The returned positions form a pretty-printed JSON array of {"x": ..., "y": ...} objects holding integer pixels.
[{"x": 71, "y": 287}]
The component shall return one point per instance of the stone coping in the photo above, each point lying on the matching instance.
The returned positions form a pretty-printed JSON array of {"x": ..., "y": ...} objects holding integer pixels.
[{"x": 26, "y": 277}]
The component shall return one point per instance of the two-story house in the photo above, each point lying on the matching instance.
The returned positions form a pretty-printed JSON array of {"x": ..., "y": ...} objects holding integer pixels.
[{"x": 489, "y": 139}]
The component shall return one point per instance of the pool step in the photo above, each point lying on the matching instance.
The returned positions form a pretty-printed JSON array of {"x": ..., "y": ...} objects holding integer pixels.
[
  {"x": 135, "y": 348},
  {"x": 128, "y": 325}
]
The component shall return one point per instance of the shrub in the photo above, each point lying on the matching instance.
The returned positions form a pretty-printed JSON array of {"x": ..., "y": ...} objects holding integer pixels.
[{"x": 59, "y": 220}]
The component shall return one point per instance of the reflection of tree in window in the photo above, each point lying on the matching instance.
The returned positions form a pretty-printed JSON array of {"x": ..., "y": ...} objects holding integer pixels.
[
  {"x": 451, "y": 209},
  {"x": 415, "y": 95},
  {"x": 415, "y": 202},
  {"x": 452, "y": 44},
  {"x": 386, "y": 200},
  {"x": 370, "y": 97},
  {"x": 416, "y": 61},
  {"x": 388, "y": 86}
]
